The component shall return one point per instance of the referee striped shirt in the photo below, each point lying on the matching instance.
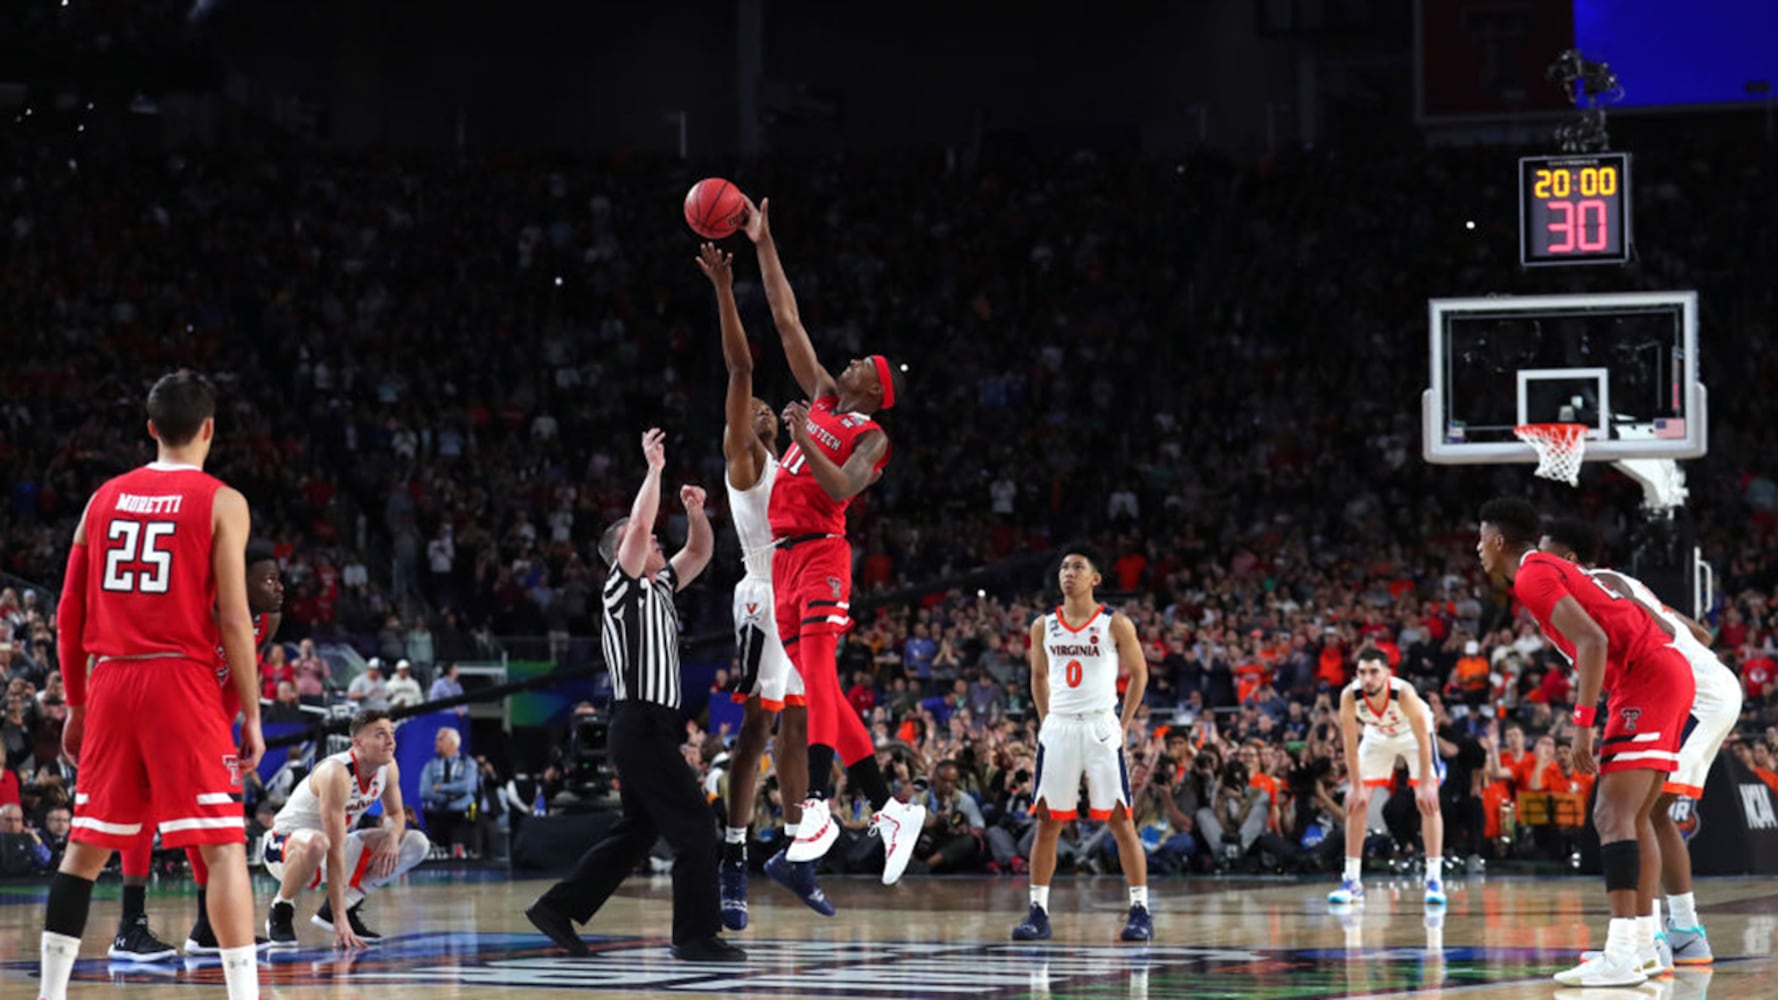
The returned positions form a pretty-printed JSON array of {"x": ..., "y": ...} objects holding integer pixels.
[{"x": 640, "y": 637}]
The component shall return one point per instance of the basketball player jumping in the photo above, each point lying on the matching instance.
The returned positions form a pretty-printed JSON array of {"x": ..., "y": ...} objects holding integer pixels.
[
  {"x": 767, "y": 684},
  {"x": 1395, "y": 723},
  {"x": 1617, "y": 648},
  {"x": 135, "y": 942},
  {"x": 837, "y": 450},
  {"x": 1715, "y": 710},
  {"x": 1074, "y": 689},
  {"x": 315, "y": 840},
  {"x": 156, "y": 576}
]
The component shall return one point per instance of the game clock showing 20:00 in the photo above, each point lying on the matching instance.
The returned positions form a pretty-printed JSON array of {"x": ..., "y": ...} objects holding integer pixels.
[{"x": 1574, "y": 209}]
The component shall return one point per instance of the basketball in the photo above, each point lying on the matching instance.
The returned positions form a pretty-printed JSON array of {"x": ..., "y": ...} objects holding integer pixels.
[{"x": 714, "y": 208}]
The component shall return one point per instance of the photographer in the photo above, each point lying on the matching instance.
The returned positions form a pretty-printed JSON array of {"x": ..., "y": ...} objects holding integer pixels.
[
  {"x": 1009, "y": 839},
  {"x": 1236, "y": 815},
  {"x": 952, "y": 839}
]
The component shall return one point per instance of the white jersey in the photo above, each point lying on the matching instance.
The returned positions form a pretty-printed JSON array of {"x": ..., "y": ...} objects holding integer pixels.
[
  {"x": 1716, "y": 684},
  {"x": 303, "y": 811},
  {"x": 1385, "y": 717},
  {"x": 1083, "y": 663},
  {"x": 748, "y": 509}
]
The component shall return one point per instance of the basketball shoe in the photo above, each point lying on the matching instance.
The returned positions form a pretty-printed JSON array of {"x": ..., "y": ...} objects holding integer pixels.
[
  {"x": 1036, "y": 926},
  {"x": 1351, "y": 891},
  {"x": 1139, "y": 926},
  {"x": 799, "y": 877},
  {"x": 1690, "y": 946},
  {"x": 280, "y": 925},
  {"x": 202, "y": 941},
  {"x": 731, "y": 877},
  {"x": 898, "y": 823},
  {"x": 323, "y": 919},
  {"x": 138, "y": 944},
  {"x": 816, "y": 832}
]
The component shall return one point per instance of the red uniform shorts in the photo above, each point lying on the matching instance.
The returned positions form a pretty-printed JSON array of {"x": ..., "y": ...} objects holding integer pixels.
[
  {"x": 1646, "y": 712},
  {"x": 157, "y": 748},
  {"x": 812, "y": 586}
]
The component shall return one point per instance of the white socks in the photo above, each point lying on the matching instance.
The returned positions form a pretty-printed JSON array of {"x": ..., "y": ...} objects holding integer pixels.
[
  {"x": 280, "y": 899},
  {"x": 1620, "y": 939},
  {"x": 790, "y": 831},
  {"x": 1645, "y": 934},
  {"x": 1138, "y": 896},
  {"x": 1684, "y": 909},
  {"x": 1355, "y": 868},
  {"x": 734, "y": 835},
  {"x": 1040, "y": 897},
  {"x": 59, "y": 952},
  {"x": 240, "y": 967},
  {"x": 1435, "y": 869}
]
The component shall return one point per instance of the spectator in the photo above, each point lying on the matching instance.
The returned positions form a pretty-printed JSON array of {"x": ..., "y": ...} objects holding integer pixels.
[
  {"x": 9, "y": 781},
  {"x": 447, "y": 686},
  {"x": 419, "y": 643},
  {"x": 953, "y": 837},
  {"x": 917, "y": 655},
  {"x": 403, "y": 689},
  {"x": 447, "y": 789},
  {"x": 22, "y": 851},
  {"x": 57, "y": 822},
  {"x": 286, "y": 707},
  {"x": 368, "y": 690},
  {"x": 313, "y": 678},
  {"x": 275, "y": 670}
]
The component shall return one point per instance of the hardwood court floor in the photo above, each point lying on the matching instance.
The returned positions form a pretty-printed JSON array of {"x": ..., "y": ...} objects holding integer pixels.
[{"x": 456, "y": 934}]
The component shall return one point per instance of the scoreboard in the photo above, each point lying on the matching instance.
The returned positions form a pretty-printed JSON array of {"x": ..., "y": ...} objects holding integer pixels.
[{"x": 1574, "y": 209}]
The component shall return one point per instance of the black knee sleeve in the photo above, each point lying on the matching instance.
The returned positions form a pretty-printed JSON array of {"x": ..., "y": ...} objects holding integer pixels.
[
  {"x": 1622, "y": 862},
  {"x": 820, "y": 771},
  {"x": 70, "y": 897}
]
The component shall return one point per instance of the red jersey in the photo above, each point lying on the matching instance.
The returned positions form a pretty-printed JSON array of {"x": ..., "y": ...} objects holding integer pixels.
[
  {"x": 799, "y": 506},
  {"x": 1631, "y": 636},
  {"x": 231, "y": 702},
  {"x": 151, "y": 588}
]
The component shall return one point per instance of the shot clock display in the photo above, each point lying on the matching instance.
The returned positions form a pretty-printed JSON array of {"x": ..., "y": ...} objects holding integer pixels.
[{"x": 1574, "y": 209}]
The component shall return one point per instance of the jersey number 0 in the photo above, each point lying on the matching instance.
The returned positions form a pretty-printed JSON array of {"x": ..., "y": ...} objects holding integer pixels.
[
  {"x": 1071, "y": 673},
  {"x": 141, "y": 543}
]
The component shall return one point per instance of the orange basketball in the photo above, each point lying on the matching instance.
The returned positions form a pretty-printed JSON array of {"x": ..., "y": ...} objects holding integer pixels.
[{"x": 714, "y": 208}]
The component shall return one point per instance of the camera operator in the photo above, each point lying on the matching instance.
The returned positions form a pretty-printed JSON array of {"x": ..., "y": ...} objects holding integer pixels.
[{"x": 1236, "y": 815}]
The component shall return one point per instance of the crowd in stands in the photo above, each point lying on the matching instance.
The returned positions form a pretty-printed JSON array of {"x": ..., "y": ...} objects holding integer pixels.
[{"x": 434, "y": 371}]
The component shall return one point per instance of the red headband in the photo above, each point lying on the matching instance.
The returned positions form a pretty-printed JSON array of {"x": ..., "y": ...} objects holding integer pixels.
[{"x": 884, "y": 379}]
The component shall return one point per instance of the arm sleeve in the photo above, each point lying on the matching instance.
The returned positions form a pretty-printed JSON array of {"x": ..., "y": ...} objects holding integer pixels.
[
  {"x": 1539, "y": 587},
  {"x": 71, "y": 627}
]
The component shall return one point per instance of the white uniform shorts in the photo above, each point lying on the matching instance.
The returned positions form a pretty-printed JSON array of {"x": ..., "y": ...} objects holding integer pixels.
[
  {"x": 1072, "y": 746},
  {"x": 1377, "y": 755},
  {"x": 271, "y": 852},
  {"x": 1715, "y": 710},
  {"x": 765, "y": 668}
]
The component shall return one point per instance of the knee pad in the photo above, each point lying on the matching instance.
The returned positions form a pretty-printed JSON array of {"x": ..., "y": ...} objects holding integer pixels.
[{"x": 1622, "y": 863}]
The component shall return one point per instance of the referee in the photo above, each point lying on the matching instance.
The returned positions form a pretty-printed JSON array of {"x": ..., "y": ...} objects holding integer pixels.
[{"x": 660, "y": 793}]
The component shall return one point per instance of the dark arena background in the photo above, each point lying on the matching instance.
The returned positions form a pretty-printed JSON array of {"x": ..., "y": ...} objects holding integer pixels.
[{"x": 1258, "y": 301}]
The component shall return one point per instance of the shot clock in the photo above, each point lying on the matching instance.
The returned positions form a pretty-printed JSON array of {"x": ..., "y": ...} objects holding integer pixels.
[{"x": 1574, "y": 209}]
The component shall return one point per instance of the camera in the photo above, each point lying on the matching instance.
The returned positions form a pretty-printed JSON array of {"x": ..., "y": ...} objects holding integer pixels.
[{"x": 587, "y": 770}]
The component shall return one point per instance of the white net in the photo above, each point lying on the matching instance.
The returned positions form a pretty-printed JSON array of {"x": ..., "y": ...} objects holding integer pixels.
[{"x": 1560, "y": 449}]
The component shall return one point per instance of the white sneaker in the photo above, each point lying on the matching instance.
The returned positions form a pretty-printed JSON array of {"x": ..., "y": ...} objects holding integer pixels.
[
  {"x": 815, "y": 834},
  {"x": 898, "y": 823},
  {"x": 1653, "y": 962},
  {"x": 1604, "y": 970}
]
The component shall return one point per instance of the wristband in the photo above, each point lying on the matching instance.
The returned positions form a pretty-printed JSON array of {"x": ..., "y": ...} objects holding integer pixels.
[{"x": 1584, "y": 715}]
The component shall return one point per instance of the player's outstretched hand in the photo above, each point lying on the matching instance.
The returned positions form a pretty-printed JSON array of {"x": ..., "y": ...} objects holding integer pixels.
[
  {"x": 654, "y": 448},
  {"x": 692, "y": 499},
  {"x": 717, "y": 266},
  {"x": 756, "y": 226},
  {"x": 252, "y": 746}
]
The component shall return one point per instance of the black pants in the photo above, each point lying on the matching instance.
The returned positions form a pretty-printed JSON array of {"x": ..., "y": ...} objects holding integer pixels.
[
  {"x": 446, "y": 826},
  {"x": 660, "y": 795}
]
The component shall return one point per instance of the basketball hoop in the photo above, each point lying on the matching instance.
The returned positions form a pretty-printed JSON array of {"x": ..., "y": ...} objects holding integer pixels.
[{"x": 1560, "y": 448}]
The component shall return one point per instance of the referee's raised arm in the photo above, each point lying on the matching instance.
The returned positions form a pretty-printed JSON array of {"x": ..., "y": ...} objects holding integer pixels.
[
  {"x": 638, "y": 533},
  {"x": 699, "y": 540}
]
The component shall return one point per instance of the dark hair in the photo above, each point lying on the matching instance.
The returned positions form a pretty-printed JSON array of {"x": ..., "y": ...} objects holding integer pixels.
[
  {"x": 179, "y": 404},
  {"x": 1577, "y": 536},
  {"x": 1087, "y": 551},
  {"x": 1515, "y": 518},
  {"x": 367, "y": 717},
  {"x": 1371, "y": 653},
  {"x": 609, "y": 541},
  {"x": 259, "y": 551}
]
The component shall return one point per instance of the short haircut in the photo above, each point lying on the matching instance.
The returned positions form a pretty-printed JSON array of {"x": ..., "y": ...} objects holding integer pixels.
[
  {"x": 259, "y": 551},
  {"x": 1578, "y": 536},
  {"x": 1372, "y": 653},
  {"x": 179, "y": 404},
  {"x": 367, "y": 717},
  {"x": 609, "y": 541},
  {"x": 1515, "y": 518},
  {"x": 1087, "y": 551}
]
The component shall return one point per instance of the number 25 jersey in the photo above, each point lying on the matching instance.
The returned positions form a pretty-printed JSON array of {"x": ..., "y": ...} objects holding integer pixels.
[
  {"x": 1083, "y": 663},
  {"x": 151, "y": 586}
]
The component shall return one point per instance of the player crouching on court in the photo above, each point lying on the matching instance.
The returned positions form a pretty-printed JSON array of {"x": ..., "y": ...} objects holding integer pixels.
[
  {"x": 1074, "y": 671},
  {"x": 313, "y": 840}
]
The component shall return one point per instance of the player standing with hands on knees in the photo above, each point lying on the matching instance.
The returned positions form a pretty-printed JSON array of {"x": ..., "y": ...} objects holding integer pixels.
[
  {"x": 837, "y": 450},
  {"x": 156, "y": 580},
  {"x": 1395, "y": 723},
  {"x": 659, "y": 793}
]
